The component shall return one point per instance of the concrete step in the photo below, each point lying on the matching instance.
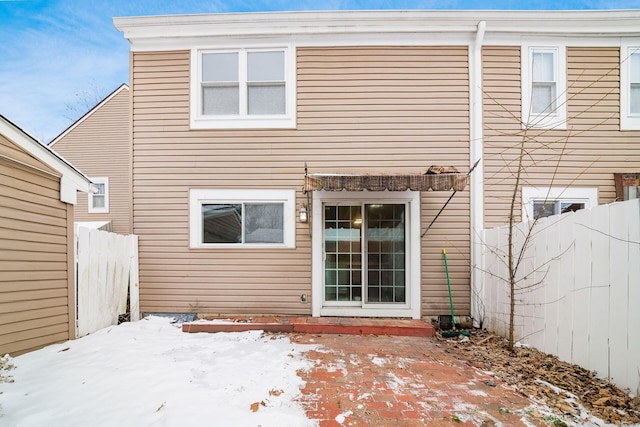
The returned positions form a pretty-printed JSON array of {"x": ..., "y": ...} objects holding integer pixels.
[{"x": 315, "y": 325}]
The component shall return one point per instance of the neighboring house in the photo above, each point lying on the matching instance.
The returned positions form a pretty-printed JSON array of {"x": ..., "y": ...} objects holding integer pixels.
[
  {"x": 228, "y": 109},
  {"x": 98, "y": 143},
  {"x": 37, "y": 193}
]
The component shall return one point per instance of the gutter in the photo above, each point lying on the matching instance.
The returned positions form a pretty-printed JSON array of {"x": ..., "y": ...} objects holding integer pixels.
[{"x": 477, "y": 179}]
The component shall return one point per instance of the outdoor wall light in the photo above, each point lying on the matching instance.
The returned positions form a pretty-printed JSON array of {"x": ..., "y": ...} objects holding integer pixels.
[{"x": 303, "y": 214}]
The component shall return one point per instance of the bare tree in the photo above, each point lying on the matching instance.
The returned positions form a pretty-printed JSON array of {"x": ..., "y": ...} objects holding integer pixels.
[
  {"x": 531, "y": 148},
  {"x": 84, "y": 101}
]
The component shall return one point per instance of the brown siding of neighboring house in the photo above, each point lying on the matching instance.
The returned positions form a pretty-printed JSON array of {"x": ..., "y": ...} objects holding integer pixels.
[
  {"x": 36, "y": 308},
  {"x": 99, "y": 146},
  {"x": 393, "y": 109},
  {"x": 589, "y": 151}
]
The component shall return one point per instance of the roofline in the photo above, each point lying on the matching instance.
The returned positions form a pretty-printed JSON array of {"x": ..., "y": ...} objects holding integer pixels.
[
  {"x": 88, "y": 114},
  {"x": 70, "y": 174},
  {"x": 608, "y": 22}
]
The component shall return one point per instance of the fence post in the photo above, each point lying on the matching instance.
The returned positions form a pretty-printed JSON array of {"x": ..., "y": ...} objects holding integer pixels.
[{"x": 134, "y": 280}]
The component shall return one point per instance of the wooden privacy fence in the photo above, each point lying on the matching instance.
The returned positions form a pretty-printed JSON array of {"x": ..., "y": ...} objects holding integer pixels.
[
  {"x": 578, "y": 291},
  {"x": 107, "y": 270}
]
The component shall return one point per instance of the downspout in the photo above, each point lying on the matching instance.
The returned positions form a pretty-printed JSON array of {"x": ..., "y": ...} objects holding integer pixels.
[{"x": 477, "y": 178}]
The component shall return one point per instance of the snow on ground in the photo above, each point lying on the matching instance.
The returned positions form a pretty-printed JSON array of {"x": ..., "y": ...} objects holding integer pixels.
[{"x": 149, "y": 373}]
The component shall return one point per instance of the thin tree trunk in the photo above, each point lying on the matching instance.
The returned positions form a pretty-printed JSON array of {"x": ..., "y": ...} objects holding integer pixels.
[{"x": 512, "y": 265}]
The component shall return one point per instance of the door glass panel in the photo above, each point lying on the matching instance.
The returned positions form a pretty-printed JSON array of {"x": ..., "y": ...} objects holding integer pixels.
[
  {"x": 343, "y": 265},
  {"x": 385, "y": 239}
]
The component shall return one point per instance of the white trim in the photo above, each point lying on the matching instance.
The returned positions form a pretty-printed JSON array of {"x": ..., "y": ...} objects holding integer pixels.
[
  {"x": 71, "y": 179},
  {"x": 476, "y": 199},
  {"x": 197, "y": 197},
  {"x": 68, "y": 191},
  {"x": 586, "y": 195},
  {"x": 88, "y": 114},
  {"x": 628, "y": 121},
  {"x": 378, "y": 28},
  {"x": 143, "y": 30},
  {"x": 243, "y": 121},
  {"x": 442, "y": 38},
  {"x": 99, "y": 180},
  {"x": 557, "y": 119},
  {"x": 413, "y": 267}
]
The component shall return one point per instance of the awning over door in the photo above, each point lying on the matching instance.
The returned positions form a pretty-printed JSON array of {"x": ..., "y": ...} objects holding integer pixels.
[{"x": 436, "y": 179}]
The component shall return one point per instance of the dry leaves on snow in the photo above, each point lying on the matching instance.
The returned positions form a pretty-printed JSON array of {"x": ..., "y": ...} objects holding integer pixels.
[
  {"x": 256, "y": 405},
  {"x": 560, "y": 385},
  {"x": 273, "y": 392}
]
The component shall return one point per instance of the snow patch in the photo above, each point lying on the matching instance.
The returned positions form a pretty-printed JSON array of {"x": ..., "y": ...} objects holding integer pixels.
[
  {"x": 394, "y": 382},
  {"x": 342, "y": 417},
  {"x": 340, "y": 365},
  {"x": 378, "y": 361},
  {"x": 150, "y": 373}
]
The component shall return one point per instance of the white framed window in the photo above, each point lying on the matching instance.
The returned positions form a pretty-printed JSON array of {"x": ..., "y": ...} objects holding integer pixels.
[
  {"x": 544, "y": 87},
  {"x": 630, "y": 86},
  {"x": 243, "y": 88},
  {"x": 99, "y": 201},
  {"x": 241, "y": 218},
  {"x": 540, "y": 202}
]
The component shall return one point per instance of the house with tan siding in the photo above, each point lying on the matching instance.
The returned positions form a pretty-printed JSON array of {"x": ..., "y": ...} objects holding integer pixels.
[
  {"x": 98, "y": 144},
  {"x": 37, "y": 197},
  {"x": 274, "y": 153}
]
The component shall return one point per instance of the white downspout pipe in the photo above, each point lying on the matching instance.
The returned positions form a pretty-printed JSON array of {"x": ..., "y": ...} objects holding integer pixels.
[{"x": 477, "y": 177}]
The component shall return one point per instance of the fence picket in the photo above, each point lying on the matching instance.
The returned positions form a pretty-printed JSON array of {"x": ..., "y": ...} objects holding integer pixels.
[
  {"x": 550, "y": 286},
  {"x": 633, "y": 314},
  {"x": 619, "y": 280},
  {"x": 599, "y": 319},
  {"x": 565, "y": 285},
  {"x": 134, "y": 280},
  {"x": 582, "y": 291}
]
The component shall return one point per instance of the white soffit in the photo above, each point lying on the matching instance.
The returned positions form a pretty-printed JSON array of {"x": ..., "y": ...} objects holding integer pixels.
[{"x": 371, "y": 26}]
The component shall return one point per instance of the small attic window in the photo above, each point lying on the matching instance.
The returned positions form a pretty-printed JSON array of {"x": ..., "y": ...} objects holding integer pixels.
[{"x": 99, "y": 201}]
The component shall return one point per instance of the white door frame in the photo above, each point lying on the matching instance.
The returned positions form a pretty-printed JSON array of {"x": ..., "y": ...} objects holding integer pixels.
[{"x": 412, "y": 308}]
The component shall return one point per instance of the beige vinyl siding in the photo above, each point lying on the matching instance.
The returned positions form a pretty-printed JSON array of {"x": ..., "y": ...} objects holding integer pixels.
[
  {"x": 586, "y": 154},
  {"x": 34, "y": 277},
  {"x": 9, "y": 150},
  {"x": 99, "y": 147},
  {"x": 389, "y": 109}
]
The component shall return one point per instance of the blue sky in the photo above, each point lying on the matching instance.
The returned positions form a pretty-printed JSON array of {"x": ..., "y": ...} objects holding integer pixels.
[{"x": 58, "y": 56}]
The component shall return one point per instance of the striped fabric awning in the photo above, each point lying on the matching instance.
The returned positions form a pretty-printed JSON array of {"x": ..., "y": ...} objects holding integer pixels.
[{"x": 432, "y": 180}]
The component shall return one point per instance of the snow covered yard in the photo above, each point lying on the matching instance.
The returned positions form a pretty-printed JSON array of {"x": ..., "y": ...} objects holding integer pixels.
[{"x": 149, "y": 373}]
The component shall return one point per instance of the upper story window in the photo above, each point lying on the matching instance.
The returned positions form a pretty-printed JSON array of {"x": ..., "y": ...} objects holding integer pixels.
[
  {"x": 99, "y": 201},
  {"x": 243, "y": 88},
  {"x": 544, "y": 87},
  {"x": 630, "y": 87},
  {"x": 542, "y": 202}
]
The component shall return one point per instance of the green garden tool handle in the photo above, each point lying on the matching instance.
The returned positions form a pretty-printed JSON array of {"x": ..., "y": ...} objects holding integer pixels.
[{"x": 446, "y": 269}]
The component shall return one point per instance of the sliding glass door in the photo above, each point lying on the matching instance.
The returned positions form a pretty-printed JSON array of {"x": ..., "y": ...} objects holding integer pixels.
[{"x": 364, "y": 254}]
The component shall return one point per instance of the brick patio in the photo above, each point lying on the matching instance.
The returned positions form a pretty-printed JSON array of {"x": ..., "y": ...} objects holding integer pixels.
[{"x": 384, "y": 381}]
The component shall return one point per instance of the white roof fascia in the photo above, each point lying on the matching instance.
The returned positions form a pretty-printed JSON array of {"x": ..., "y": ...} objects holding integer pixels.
[
  {"x": 141, "y": 30},
  {"x": 71, "y": 181},
  {"x": 89, "y": 113}
]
